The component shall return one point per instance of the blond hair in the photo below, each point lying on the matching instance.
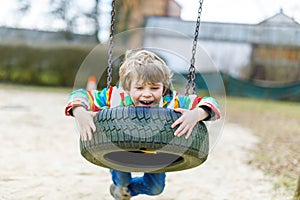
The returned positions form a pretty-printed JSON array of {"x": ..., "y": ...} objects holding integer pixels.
[{"x": 145, "y": 66}]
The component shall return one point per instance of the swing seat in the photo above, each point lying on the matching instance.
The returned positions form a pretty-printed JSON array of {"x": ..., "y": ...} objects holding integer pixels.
[{"x": 140, "y": 139}]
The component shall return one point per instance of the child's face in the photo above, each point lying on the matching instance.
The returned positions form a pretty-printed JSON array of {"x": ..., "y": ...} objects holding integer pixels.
[{"x": 145, "y": 94}]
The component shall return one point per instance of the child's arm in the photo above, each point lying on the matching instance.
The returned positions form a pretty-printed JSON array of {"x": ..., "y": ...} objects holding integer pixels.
[
  {"x": 188, "y": 120},
  {"x": 86, "y": 122},
  {"x": 84, "y": 105},
  {"x": 95, "y": 100},
  {"x": 196, "y": 109}
]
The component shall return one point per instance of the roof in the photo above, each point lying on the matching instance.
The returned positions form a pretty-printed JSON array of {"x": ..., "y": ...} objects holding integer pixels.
[
  {"x": 279, "y": 19},
  {"x": 285, "y": 31}
]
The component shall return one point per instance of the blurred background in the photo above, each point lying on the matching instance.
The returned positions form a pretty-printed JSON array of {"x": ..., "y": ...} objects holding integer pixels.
[{"x": 254, "y": 44}]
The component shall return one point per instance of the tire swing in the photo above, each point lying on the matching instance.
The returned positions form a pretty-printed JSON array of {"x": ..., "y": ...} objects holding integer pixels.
[{"x": 140, "y": 139}]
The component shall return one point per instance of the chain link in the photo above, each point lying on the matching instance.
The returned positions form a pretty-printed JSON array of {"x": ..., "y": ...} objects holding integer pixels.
[
  {"x": 191, "y": 76},
  {"x": 111, "y": 44}
]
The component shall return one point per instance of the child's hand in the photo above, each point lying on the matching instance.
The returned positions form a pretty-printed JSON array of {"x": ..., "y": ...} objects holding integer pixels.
[
  {"x": 86, "y": 122},
  {"x": 188, "y": 120}
]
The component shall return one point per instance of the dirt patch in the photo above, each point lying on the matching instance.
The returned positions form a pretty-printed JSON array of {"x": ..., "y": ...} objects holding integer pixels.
[{"x": 40, "y": 158}]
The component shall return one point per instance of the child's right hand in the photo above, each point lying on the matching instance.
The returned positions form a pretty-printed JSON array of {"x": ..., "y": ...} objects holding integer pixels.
[{"x": 86, "y": 122}]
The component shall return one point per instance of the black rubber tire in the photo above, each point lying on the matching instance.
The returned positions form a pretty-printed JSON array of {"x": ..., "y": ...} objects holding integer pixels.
[{"x": 140, "y": 139}]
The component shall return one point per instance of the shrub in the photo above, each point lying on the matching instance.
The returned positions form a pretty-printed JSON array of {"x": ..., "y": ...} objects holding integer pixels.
[{"x": 42, "y": 64}]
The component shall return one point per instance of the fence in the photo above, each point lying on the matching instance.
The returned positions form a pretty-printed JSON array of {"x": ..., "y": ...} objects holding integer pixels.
[{"x": 244, "y": 88}]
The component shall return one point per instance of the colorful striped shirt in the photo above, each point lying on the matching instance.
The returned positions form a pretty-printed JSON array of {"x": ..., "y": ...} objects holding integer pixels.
[{"x": 97, "y": 100}]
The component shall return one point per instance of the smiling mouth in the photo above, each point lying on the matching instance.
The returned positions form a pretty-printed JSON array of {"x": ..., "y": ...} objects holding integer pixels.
[{"x": 146, "y": 102}]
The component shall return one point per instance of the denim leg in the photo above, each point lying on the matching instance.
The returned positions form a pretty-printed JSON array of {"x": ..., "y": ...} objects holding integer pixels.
[
  {"x": 149, "y": 184},
  {"x": 120, "y": 179}
]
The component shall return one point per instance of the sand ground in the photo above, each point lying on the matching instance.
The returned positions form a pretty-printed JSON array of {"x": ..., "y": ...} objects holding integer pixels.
[{"x": 40, "y": 159}]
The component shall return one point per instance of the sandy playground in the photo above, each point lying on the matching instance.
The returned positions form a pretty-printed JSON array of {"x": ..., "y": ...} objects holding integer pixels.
[{"x": 40, "y": 159}]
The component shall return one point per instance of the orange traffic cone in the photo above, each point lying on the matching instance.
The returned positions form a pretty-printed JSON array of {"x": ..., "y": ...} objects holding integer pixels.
[{"x": 91, "y": 83}]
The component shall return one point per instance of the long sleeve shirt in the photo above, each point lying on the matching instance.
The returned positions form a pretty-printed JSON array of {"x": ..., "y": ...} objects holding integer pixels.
[{"x": 97, "y": 100}]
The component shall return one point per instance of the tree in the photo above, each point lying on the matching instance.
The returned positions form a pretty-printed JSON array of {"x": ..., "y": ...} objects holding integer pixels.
[
  {"x": 23, "y": 8},
  {"x": 61, "y": 10},
  {"x": 94, "y": 15},
  {"x": 75, "y": 16}
]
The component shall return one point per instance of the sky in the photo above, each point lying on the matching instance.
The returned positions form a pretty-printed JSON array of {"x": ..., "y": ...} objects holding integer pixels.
[
  {"x": 227, "y": 11},
  {"x": 239, "y": 11}
]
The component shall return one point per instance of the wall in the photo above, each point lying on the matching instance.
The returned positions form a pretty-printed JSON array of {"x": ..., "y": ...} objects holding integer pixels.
[
  {"x": 275, "y": 63},
  {"x": 36, "y": 36},
  {"x": 257, "y": 52}
]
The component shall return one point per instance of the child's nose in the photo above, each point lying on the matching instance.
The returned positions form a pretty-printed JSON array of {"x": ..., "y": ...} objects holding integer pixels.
[{"x": 147, "y": 93}]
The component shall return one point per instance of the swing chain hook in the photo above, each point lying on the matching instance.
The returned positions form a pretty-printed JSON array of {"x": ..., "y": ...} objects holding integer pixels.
[
  {"x": 191, "y": 76},
  {"x": 111, "y": 44}
]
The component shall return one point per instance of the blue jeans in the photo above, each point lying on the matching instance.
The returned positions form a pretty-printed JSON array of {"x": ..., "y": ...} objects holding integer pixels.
[{"x": 149, "y": 184}]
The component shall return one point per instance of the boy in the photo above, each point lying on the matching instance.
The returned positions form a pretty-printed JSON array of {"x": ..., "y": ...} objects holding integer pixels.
[{"x": 145, "y": 81}]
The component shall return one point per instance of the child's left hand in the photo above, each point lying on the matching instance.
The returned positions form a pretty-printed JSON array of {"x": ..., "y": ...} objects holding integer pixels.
[{"x": 188, "y": 120}]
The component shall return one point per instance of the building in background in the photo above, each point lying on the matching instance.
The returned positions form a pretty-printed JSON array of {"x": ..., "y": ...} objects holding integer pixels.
[
  {"x": 264, "y": 52},
  {"x": 268, "y": 51},
  {"x": 133, "y": 13}
]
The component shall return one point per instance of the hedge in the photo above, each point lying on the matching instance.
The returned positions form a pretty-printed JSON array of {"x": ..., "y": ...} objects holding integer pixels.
[{"x": 42, "y": 64}]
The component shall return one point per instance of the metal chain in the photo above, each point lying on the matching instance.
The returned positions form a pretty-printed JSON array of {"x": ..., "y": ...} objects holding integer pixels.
[
  {"x": 111, "y": 44},
  {"x": 191, "y": 76}
]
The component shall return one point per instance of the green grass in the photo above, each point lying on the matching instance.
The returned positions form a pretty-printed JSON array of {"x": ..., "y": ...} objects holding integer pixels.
[{"x": 277, "y": 124}]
